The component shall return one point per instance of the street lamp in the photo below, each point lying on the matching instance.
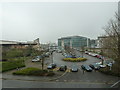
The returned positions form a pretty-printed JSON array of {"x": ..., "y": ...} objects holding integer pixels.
[{"x": 52, "y": 57}]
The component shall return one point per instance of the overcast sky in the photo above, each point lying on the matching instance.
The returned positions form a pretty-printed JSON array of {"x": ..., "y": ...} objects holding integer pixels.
[{"x": 50, "y": 21}]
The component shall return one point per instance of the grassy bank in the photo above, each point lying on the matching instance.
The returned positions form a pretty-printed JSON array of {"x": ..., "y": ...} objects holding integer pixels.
[
  {"x": 16, "y": 57},
  {"x": 9, "y": 65},
  {"x": 31, "y": 71}
]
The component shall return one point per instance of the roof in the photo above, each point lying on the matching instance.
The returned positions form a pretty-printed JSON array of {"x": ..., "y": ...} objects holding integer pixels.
[
  {"x": 6, "y": 42},
  {"x": 69, "y": 37}
]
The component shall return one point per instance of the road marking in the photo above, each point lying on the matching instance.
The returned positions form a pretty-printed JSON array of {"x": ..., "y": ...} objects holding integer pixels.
[
  {"x": 115, "y": 83},
  {"x": 56, "y": 69},
  {"x": 68, "y": 70}
]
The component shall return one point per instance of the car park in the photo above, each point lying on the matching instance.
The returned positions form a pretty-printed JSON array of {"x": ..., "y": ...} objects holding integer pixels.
[
  {"x": 63, "y": 68},
  {"x": 74, "y": 69},
  {"x": 51, "y": 66},
  {"x": 95, "y": 66},
  {"x": 86, "y": 67}
]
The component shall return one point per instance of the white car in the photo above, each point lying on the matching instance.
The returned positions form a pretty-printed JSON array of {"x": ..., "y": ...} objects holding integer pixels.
[
  {"x": 35, "y": 60},
  {"x": 102, "y": 66},
  {"x": 99, "y": 63}
]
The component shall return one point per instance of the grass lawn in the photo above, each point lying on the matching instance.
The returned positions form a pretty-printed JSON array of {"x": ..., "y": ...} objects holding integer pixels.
[
  {"x": 13, "y": 63},
  {"x": 9, "y": 65}
]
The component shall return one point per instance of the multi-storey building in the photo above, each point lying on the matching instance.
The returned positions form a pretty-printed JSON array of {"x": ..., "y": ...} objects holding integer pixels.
[{"x": 73, "y": 42}]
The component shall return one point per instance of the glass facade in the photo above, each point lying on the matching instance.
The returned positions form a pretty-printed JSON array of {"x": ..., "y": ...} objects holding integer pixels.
[{"x": 73, "y": 41}]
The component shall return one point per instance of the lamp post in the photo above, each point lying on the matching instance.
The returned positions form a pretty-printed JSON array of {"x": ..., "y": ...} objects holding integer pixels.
[
  {"x": 102, "y": 57},
  {"x": 52, "y": 56}
]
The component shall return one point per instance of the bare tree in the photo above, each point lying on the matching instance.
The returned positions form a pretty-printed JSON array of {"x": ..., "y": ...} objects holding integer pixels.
[{"x": 112, "y": 40}]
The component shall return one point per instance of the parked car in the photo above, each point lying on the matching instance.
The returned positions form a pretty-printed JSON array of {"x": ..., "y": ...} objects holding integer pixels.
[
  {"x": 47, "y": 54},
  {"x": 94, "y": 55},
  {"x": 95, "y": 66},
  {"x": 99, "y": 56},
  {"x": 86, "y": 67},
  {"x": 110, "y": 64},
  {"x": 63, "y": 68},
  {"x": 74, "y": 69},
  {"x": 86, "y": 52},
  {"x": 99, "y": 63},
  {"x": 89, "y": 53},
  {"x": 64, "y": 54},
  {"x": 78, "y": 56},
  {"x": 36, "y": 60},
  {"x": 69, "y": 56},
  {"x": 102, "y": 66},
  {"x": 59, "y": 51},
  {"x": 51, "y": 66},
  {"x": 39, "y": 57}
]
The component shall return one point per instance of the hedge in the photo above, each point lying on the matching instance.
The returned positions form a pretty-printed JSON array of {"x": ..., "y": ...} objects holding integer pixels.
[
  {"x": 75, "y": 59},
  {"x": 33, "y": 72}
]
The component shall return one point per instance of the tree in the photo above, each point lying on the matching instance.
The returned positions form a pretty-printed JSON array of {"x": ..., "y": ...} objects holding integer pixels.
[
  {"x": 70, "y": 50},
  {"x": 112, "y": 40}
]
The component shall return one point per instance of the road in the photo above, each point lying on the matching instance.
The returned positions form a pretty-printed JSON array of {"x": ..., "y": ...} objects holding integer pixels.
[
  {"x": 78, "y": 79},
  {"x": 31, "y": 84}
]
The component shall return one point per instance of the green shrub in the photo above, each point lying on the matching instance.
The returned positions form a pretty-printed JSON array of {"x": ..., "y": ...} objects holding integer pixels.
[
  {"x": 26, "y": 71},
  {"x": 33, "y": 71}
]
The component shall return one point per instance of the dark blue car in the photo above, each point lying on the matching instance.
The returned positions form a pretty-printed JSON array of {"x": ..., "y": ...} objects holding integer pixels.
[{"x": 86, "y": 67}]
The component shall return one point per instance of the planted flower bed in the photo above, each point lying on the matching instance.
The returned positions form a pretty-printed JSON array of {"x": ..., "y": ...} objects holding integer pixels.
[{"x": 75, "y": 59}]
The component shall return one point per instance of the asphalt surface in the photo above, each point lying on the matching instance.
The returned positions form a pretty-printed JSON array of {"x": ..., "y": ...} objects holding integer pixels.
[
  {"x": 23, "y": 84},
  {"x": 80, "y": 76},
  {"x": 78, "y": 79}
]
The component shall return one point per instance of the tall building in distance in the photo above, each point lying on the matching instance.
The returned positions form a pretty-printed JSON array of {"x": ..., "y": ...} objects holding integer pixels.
[{"x": 73, "y": 42}]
